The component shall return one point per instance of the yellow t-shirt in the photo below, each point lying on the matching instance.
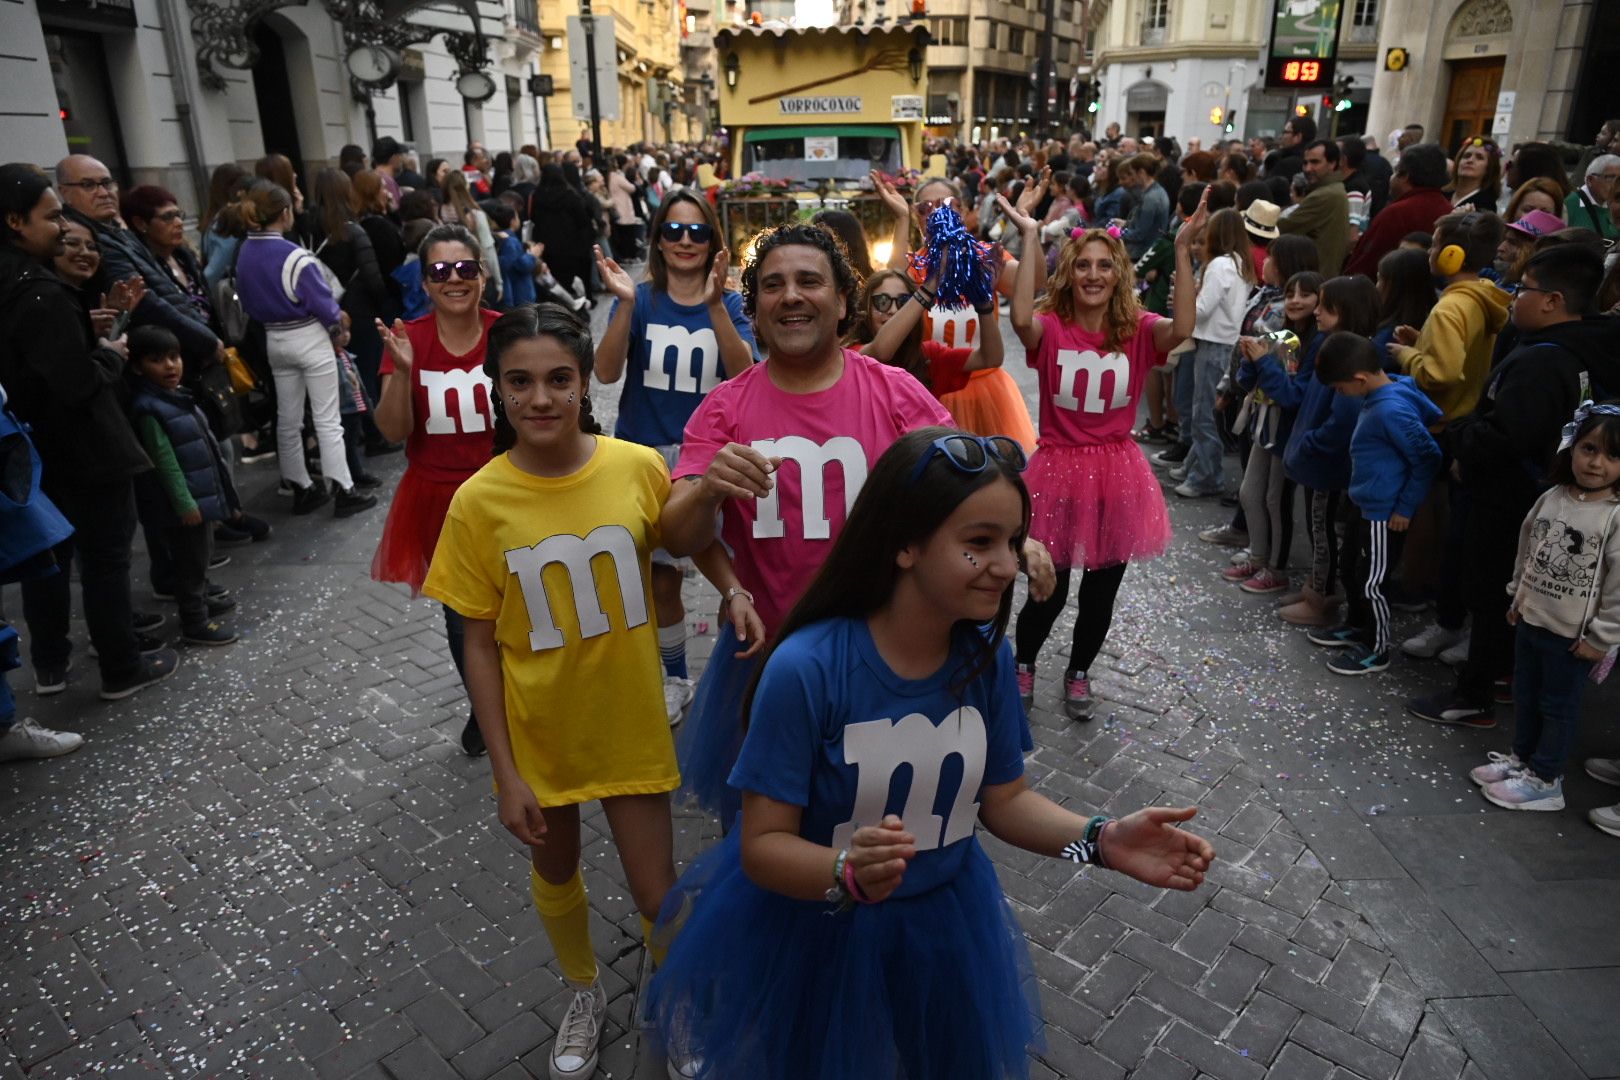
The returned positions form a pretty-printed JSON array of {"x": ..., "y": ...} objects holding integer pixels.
[{"x": 562, "y": 566}]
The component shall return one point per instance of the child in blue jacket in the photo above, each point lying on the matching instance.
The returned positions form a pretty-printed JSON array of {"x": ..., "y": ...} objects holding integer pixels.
[
  {"x": 1393, "y": 459},
  {"x": 1317, "y": 455}
]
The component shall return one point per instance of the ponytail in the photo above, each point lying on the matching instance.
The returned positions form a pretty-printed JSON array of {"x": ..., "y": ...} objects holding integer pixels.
[{"x": 255, "y": 209}]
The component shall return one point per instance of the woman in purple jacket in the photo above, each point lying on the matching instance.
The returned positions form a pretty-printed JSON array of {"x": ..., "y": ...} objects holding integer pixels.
[{"x": 282, "y": 286}]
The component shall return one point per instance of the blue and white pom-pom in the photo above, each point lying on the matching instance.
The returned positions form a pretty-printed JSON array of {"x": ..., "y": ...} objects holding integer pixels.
[{"x": 965, "y": 276}]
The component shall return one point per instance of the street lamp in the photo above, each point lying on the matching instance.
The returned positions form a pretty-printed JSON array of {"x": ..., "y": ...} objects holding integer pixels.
[
  {"x": 733, "y": 66},
  {"x": 915, "y": 59}
]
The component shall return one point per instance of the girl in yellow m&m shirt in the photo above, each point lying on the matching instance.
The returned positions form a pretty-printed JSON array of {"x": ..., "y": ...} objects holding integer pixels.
[{"x": 546, "y": 552}]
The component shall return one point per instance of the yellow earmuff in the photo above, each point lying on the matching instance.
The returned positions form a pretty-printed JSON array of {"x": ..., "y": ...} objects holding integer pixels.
[{"x": 1450, "y": 260}]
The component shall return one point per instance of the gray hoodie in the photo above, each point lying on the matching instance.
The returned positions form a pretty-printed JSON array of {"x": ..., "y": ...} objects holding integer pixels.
[{"x": 1567, "y": 576}]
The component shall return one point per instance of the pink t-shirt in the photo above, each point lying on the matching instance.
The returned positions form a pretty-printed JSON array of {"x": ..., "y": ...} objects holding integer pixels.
[
  {"x": 828, "y": 441},
  {"x": 1089, "y": 397}
]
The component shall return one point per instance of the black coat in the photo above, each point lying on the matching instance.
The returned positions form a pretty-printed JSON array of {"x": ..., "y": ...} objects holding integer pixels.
[
  {"x": 563, "y": 223},
  {"x": 70, "y": 391},
  {"x": 1505, "y": 447}
]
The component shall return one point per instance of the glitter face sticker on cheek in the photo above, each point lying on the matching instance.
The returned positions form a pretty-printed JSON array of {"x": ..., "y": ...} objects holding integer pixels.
[
  {"x": 971, "y": 560},
  {"x": 571, "y": 397}
]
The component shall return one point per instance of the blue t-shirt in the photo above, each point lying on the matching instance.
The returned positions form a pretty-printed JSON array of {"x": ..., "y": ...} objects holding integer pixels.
[
  {"x": 834, "y": 730},
  {"x": 674, "y": 361}
]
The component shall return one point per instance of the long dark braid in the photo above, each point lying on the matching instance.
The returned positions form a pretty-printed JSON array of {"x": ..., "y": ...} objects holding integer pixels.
[{"x": 524, "y": 323}]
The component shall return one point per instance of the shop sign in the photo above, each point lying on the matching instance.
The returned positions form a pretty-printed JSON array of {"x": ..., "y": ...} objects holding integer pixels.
[
  {"x": 906, "y": 107},
  {"x": 820, "y": 105}
]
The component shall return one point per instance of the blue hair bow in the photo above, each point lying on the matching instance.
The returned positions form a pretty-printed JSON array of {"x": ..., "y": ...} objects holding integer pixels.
[
  {"x": 966, "y": 276},
  {"x": 1587, "y": 409}
]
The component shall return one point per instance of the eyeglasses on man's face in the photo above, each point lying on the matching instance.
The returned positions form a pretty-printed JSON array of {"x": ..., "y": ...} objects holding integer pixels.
[{"x": 106, "y": 183}]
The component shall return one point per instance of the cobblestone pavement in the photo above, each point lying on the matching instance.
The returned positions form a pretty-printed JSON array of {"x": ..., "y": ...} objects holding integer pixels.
[{"x": 279, "y": 864}]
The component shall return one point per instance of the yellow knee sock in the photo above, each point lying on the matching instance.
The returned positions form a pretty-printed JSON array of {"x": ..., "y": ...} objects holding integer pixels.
[
  {"x": 657, "y": 947},
  {"x": 566, "y": 918}
]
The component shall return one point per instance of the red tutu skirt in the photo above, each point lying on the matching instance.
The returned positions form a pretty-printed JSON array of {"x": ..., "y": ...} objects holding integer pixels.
[
  {"x": 991, "y": 404},
  {"x": 412, "y": 530},
  {"x": 1096, "y": 506}
]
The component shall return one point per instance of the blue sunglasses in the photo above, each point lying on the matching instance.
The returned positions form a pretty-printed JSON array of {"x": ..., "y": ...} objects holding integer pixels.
[{"x": 971, "y": 453}]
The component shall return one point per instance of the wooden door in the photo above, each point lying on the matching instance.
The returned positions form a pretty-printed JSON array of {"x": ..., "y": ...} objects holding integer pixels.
[{"x": 1471, "y": 102}]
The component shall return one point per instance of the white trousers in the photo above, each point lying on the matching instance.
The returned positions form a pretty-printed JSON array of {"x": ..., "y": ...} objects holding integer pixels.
[{"x": 304, "y": 366}]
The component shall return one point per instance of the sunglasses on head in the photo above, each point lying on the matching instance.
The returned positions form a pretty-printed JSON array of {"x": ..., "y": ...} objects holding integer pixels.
[
  {"x": 886, "y": 302},
  {"x": 972, "y": 453},
  {"x": 699, "y": 233},
  {"x": 465, "y": 269}
]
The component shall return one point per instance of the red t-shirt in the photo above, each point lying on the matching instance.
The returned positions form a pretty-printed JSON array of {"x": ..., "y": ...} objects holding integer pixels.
[
  {"x": 454, "y": 429},
  {"x": 945, "y": 367}
]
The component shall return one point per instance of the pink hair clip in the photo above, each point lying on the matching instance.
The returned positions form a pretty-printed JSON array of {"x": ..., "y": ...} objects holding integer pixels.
[
  {"x": 1115, "y": 231},
  {"x": 1077, "y": 232}
]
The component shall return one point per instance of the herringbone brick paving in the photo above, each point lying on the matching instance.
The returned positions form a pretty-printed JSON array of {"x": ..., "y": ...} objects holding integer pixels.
[{"x": 279, "y": 864}]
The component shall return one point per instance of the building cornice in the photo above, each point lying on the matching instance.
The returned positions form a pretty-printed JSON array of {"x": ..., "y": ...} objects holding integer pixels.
[{"x": 1135, "y": 54}]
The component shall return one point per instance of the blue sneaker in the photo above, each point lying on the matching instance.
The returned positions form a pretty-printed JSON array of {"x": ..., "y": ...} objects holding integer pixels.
[
  {"x": 1526, "y": 791},
  {"x": 1336, "y": 637},
  {"x": 1359, "y": 660}
]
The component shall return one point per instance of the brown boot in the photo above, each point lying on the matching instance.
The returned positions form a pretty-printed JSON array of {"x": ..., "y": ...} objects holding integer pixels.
[{"x": 1312, "y": 609}]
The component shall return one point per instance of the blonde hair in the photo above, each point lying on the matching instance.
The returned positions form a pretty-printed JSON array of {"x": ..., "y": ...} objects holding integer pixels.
[{"x": 1123, "y": 312}]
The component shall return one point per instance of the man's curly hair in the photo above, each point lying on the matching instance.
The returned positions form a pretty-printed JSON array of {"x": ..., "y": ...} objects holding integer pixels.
[{"x": 823, "y": 240}]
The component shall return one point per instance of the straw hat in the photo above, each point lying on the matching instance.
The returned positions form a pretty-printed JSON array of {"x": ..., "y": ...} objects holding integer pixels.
[{"x": 1261, "y": 219}]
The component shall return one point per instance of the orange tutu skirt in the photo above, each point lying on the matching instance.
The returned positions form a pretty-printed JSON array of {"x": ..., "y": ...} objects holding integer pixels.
[
  {"x": 412, "y": 530},
  {"x": 991, "y": 404}
]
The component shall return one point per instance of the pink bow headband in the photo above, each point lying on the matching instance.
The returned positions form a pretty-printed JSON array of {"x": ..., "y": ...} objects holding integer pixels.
[{"x": 1078, "y": 232}]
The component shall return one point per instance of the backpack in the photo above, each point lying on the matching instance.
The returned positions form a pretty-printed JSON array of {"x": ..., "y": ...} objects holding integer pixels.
[{"x": 233, "y": 319}]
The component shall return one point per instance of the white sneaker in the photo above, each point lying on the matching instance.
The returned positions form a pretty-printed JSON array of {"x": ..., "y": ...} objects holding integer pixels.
[
  {"x": 1499, "y": 767},
  {"x": 26, "y": 740},
  {"x": 1456, "y": 655},
  {"x": 1432, "y": 640},
  {"x": 678, "y": 693},
  {"x": 573, "y": 1055},
  {"x": 681, "y": 1067}
]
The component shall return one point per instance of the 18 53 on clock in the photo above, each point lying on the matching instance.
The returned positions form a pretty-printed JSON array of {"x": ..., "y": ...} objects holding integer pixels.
[{"x": 1304, "y": 45}]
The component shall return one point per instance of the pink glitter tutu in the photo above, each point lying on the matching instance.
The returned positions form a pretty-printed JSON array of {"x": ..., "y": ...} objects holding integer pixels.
[{"x": 1096, "y": 506}]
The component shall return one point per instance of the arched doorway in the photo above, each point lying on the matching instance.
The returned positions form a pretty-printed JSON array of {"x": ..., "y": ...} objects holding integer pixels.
[
  {"x": 278, "y": 120},
  {"x": 1477, "y": 41},
  {"x": 1145, "y": 105}
]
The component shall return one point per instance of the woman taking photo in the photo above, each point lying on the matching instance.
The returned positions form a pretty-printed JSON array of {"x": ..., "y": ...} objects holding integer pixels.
[
  {"x": 446, "y": 440},
  {"x": 282, "y": 287}
]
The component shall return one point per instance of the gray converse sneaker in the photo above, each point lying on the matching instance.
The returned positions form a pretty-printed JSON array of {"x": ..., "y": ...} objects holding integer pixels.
[
  {"x": 25, "y": 739},
  {"x": 573, "y": 1055}
]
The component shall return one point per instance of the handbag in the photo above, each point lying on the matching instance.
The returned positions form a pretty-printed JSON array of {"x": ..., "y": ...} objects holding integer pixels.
[{"x": 243, "y": 381}]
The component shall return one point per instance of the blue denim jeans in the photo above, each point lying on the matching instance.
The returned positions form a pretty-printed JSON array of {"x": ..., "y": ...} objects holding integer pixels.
[
  {"x": 1209, "y": 362},
  {"x": 1548, "y": 681},
  {"x": 1182, "y": 394}
]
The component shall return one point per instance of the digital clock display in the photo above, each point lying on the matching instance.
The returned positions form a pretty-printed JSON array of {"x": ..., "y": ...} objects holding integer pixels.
[{"x": 1304, "y": 44}]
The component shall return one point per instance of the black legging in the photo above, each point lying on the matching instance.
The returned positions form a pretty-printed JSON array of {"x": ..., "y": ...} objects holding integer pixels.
[{"x": 1093, "y": 615}]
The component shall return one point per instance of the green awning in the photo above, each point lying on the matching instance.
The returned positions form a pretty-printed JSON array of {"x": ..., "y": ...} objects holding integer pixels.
[{"x": 813, "y": 131}]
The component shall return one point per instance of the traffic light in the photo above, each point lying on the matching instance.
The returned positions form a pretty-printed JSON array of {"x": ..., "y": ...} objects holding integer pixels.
[
  {"x": 1341, "y": 94},
  {"x": 1230, "y": 127},
  {"x": 1096, "y": 96},
  {"x": 1216, "y": 115},
  {"x": 1327, "y": 101}
]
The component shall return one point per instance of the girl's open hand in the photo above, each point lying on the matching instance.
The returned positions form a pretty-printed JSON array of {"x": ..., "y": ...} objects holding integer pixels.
[
  {"x": 1021, "y": 221},
  {"x": 1406, "y": 335},
  {"x": 1030, "y": 197},
  {"x": 716, "y": 293},
  {"x": 520, "y": 812},
  {"x": 614, "y": 278},
  {"x": 896, "y": 202},
  {"x": 1147, "y": 846},
  {"x": 1195, "y": 224},
  {"x": 879, "y": 854},
  {"x": 397, "y": 344}
]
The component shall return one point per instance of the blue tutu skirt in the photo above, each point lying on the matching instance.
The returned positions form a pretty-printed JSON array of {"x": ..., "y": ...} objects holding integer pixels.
[
  {"x": 711, "y": 738},
  {"x": 925, "y": 987}
]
